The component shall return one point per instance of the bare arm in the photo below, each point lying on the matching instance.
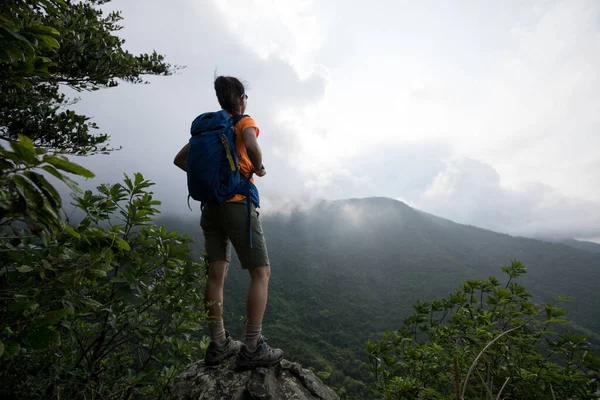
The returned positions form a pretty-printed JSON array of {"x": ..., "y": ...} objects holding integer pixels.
[
  {"x": 253, "y": 150},
  {"x": 181, "y": 157}
]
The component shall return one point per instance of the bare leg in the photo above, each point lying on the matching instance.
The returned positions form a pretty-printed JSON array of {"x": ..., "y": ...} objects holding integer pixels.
[
  {"x": 213, "y": 298},
  {"x": 256, "y": 297},
  {"x": 256, "y": 302}
]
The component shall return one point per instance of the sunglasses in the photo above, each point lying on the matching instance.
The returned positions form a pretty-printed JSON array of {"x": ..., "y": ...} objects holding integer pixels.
[{"x": 244, "y": 96}]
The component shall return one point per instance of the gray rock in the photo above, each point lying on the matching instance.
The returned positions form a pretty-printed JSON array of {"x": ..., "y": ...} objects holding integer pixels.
[{"x": 286, "y": 381}]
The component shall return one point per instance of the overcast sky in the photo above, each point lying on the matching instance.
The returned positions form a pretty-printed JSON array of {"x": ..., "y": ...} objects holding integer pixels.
[{"x": 483, "y": 112}]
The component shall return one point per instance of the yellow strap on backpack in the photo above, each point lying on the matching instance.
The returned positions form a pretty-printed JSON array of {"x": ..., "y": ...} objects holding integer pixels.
[{"x": 228, "y": 153}]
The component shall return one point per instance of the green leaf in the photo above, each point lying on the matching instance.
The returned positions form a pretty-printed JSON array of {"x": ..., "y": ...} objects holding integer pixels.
[
  {"x": 50, "y": 41},
  {"x": 74, "y": 186},
  {"x": 43, "y": 30},
  {"x": 1, "y": 348},
  {"x": 52, "y": 317},
  {"x": 71, "y": 231},
  {"x": 122, "y": 244},
  {"x": 47, "y": 265},
  {"x": 98, "y": 272},
  {"x": 11, "y": 348},
  {"x": 138, "y": 178},
  {"x": 52, "y": 171},
  {"x": 68, "y": 166},
  {"x": 24, "y": 269},
  {"x": 46, "y": 188},
  {"x": 29, "y": 191},
  {"x": 118, "y": 193},
  {"x": 128, "y": 182},
  {"x": 88, "y": 301},
  {"x": 5, "y": 164},
  {"x": 24, "y": 148},
  {"x": 108, "y": 257}
]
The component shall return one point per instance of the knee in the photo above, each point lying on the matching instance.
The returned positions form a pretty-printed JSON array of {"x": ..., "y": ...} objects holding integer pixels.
[
  {"x": 261, "y": 273},
  {"x": 217, "y": 273}
]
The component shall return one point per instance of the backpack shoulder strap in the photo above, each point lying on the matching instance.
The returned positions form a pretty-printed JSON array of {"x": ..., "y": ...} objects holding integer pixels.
[{"x": 238, "y": 118}]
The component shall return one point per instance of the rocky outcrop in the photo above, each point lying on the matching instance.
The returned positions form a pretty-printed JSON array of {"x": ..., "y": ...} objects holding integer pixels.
[{"x": 286, "y": 381}]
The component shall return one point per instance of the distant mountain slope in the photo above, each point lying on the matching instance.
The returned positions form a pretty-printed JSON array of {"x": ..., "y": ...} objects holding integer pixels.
[
  {"x": 348, "y": 270},
  {"x": 582, "y": 245}
]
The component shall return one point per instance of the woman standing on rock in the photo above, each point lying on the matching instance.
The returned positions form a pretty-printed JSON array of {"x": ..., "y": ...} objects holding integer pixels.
[{"x": 235, "y": 222}]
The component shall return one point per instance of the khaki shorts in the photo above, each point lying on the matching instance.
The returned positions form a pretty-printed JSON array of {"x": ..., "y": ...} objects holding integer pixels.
[{"x": 225, "y": 225}]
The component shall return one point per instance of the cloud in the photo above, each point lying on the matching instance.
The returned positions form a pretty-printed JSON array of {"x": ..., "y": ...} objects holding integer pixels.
[
  {"x": 427, "y": 176},
  {"x": 484, "y": 113},
  {"x": 512, "y": 83},
  {"x": 152, "y": 122},
  {"x": 298, "y": 33},
  {"x": 536, "y": 118},
  {"x": 471, "y": 192}
]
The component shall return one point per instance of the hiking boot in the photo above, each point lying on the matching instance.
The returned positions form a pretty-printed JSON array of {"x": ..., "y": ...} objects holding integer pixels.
[
  {"x": 218, "y": 352},
  {"x": 263, "y": 355}
]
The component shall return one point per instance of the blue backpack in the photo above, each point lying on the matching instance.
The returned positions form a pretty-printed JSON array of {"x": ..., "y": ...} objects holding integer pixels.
[{"x": 213, "y": 173}]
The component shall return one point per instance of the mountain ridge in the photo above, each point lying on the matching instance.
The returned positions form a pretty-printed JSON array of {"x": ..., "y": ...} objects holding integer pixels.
[
  {"x": 582, "y": 245},
  {"x": 394, "y": 225}
]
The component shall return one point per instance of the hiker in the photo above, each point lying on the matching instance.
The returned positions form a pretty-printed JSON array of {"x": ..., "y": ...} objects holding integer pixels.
[{"x": 231, "y": 220}]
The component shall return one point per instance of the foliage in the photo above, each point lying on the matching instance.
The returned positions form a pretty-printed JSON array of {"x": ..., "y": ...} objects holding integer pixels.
[
  {"x": 26, "y": 196},
  {"x": 106, "y": 308},
  {"x": 109, "y": 307},
  {"x": 48, "y": 44},
  {"x": 485, "y": 340}
]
